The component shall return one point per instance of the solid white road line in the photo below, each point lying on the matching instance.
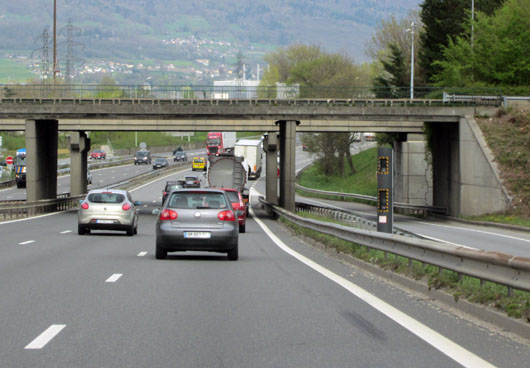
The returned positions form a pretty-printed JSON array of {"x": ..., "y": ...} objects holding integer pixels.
[
  {"x": 45, "y": 337},
  {"x": 114, "y": 277},
  {"x": 66, "y": 231},
  {"x": 438, "y": 341},
  {"x": 476, "y": 231},
  {"x": 27, "y": 242},
  {"x": 142, "y": 254}
]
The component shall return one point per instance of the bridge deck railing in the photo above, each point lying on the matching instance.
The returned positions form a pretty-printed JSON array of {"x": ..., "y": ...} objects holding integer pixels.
[{"x": 238, "y": 92}]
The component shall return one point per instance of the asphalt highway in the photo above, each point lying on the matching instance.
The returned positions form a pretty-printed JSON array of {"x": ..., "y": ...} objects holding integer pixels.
[{"x": 103, "y": 300}]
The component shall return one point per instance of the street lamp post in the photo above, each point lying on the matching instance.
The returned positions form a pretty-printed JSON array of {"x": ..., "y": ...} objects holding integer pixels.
[
  {"x": 472, "y": 20},
  {"x": 411, "y": 30}
]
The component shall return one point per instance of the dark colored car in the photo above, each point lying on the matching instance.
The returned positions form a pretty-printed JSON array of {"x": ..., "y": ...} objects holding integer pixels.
[
  {"x": 197, "y": 220},
  {"x": 142, "y": 157},
  {"x": 98, "y": 155},
  {"x": 160, "y": 162},
  {"x": 180, "y": 156},
  {"x": 192, "y": 182},
  {"x": 170, "y": 186},
  {"x": 236, "y": 200}
]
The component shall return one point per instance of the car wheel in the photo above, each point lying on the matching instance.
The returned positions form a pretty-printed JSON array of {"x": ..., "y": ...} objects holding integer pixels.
[
  {"x": 233, "y": 253},
  {"x": 130, "y": 231},
  {"x": 242, "y": 228},
  {"x": 160, "y": 253},
  {"x": 80, "y": 230}
]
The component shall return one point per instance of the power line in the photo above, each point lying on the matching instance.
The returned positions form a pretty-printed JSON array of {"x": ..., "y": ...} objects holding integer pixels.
[
  {"x": 44, "y": 38},
  {"x": 71, "y": 48}
]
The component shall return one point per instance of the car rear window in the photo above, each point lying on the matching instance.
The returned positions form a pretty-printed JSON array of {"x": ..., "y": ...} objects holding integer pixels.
[
  {"x": 197, "y": 200},
  {"x": 232, "y": 196},
  {"x": 171, "y": 187},
  {"x": 160, "y": 160},
  {"x": 198, "y": 161},
  {"x": 106, "y": 197},
  {"x": 141, "y": 154}
]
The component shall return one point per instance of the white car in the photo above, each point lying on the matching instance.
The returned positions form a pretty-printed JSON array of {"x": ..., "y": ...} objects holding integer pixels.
[{"x": 105, "y": 209}]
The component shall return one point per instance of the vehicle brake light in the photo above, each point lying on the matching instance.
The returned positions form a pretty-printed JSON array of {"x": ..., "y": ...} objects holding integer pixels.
[
  {"x": 168, "y": 215},
  {"x": 126, "y": 207},
  {"x": 84, "y": 206},
  {"x": 226, "y": 216}
]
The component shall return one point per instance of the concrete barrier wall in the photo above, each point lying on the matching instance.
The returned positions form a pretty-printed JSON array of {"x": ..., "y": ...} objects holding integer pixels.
[{"x": 481, "y": 188}]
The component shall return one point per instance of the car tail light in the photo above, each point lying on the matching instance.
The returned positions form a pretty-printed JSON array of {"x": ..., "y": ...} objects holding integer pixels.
[
  {"x": 226, "y": 216},
  {"x": 168, "y": 215},
  {"x": 84, "y": 206},
  {"x": 126, "y": 207}
]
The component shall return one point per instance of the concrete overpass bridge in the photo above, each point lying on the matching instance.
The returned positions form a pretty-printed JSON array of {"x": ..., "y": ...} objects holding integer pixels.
[{"x": 464, "y": 180}]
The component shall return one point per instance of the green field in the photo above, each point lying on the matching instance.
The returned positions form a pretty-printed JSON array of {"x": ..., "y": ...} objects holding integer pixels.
[
  {"x": 12, "y": 71},
  {"x": 362, "y": 182}
]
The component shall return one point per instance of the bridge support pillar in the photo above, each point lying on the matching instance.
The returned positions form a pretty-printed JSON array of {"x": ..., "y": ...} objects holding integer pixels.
[
  {"x": 413, "y": 181},
  {"x": 79, "y": 145},
  {"x": 270, "y": 146},
  {"x": 41, "y": 153},
  {"x": 287, "y": 164}
]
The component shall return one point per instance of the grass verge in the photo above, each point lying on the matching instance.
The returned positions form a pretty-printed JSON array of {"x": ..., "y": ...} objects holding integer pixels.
[{"x": 516, "y": 305}]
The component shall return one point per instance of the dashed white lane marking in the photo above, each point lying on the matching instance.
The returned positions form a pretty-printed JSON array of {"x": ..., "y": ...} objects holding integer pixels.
[
  {"x": 113, "y": 177},
  {"x": 27, "y": 242},
  {"x": 142, "y": 254},
  {"x": 154, "y": 201},
  {"x": 66, "y": 231},
  {"x": 438, "y": 341},
  {"x": 476, "y": 231},
  {"x": 45, "y": 337},
  {"x": 114, "y": 277}
]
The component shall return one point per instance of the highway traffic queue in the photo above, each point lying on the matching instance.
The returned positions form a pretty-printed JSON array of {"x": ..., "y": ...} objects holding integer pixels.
[{"x": 191, "y": 217}]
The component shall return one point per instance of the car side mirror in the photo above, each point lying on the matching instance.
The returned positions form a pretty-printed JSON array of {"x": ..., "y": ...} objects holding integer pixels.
[{"x": 156, "y": 211}]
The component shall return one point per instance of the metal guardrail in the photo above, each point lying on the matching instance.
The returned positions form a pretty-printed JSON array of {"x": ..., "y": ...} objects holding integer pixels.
[
  {"x": 497, "y": 267},
  {"x": 473, "y": 99},
  {"x": 404, "y": 208},
  {"x": 350, "y": 218}
]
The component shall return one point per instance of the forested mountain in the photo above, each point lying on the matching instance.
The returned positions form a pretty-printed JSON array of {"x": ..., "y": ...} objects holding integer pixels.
[{"x": 135, "y": 29}]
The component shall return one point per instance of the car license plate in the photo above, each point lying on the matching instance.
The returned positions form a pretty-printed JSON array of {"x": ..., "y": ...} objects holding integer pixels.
[
  {"x": 105, "y": 221},
  {"x": 197, "y": 234}
]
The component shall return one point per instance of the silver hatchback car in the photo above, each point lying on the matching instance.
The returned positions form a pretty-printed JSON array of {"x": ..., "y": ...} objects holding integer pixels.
[
  {"x": 105, "y": 209},
  {"x": 197, "y": 219}
]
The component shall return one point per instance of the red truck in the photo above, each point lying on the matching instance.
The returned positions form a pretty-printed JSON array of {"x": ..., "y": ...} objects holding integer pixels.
[{"x": 220, "y": 142}]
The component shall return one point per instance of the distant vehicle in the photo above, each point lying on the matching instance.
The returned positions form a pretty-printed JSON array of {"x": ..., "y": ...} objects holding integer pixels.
[
  {"x": 170, "y": 186},
  {"x": 198, "y": 163},
  {"x": 142, "y": 157},
  {"x": 198, "y": 220},
  {"x": 228, "y": 172},
  {"x": 192, "y": 182},
  {"x": 251, "y": 150},
  {"x": 19, "y": 166},
  {"x": 105, "y": 209},
  {"x": 160, "y": 162},
  {"x": 236, "y": 200},
  {"x": 220, "y": 142},
  {"x": 180, "y": 156},
  {"x": 98, "y": 155},
  {"x": 369, "y": 136}
]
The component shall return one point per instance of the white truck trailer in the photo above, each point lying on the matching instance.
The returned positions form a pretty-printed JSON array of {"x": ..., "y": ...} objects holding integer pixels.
[{"x": 251, "y": 150}]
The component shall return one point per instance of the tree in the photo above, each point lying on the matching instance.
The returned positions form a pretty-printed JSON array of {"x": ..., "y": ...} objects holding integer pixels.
[
  {"x": 318, "y": 74},
  {"x": 501, "y": 51},
  {"x": 444, "y": 20},
  {"x": 240, "y": 65},
  {"x": 394, "y": 75}
]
